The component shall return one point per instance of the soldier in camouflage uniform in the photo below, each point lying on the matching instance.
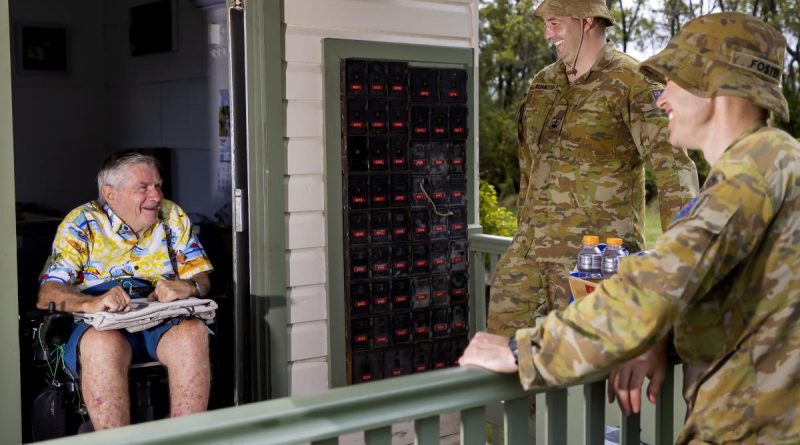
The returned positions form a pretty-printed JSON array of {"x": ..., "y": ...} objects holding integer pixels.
[
  {"x": 587, "y": 125},
  {"x": 725, "y": 277}
]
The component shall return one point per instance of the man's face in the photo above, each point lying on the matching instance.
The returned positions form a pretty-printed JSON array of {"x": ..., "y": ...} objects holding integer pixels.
[
  {"x": 137, "y": 198},
  {"x": 565, "y": 34},
  {"x": 688, "y": 114}
]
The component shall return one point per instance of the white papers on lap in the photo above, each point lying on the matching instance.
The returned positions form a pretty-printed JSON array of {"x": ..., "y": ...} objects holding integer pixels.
[{"x": 146, "y": 314}]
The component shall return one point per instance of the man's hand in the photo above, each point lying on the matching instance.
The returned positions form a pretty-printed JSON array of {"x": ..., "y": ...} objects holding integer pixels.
[
  {"x": 489, "y": 351},
  {"x": 115, "y": 300},
  {"x": 626, "y": 380},
  {"x": 171, "y": 290}
]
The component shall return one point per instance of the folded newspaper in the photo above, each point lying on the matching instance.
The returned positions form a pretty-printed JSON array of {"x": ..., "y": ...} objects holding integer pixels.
[{"x": 146, "y": 314}]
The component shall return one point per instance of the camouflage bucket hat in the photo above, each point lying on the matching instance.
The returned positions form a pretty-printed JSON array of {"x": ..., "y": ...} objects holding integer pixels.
[
  {"x": 575, "y": 8},
  {"x": 726, "y": 54}
]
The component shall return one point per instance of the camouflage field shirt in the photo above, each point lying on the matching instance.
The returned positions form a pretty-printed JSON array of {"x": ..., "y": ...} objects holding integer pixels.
[
  {"x": 726, "y": 278},
  {"x": 582, "y": 152}
]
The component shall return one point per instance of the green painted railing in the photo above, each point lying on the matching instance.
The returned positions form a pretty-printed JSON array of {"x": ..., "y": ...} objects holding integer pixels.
[{"x": 577, "y": 415}]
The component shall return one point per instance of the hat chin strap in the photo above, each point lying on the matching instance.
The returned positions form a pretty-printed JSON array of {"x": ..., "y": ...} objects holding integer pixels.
[{"x": 572, "y": 69}]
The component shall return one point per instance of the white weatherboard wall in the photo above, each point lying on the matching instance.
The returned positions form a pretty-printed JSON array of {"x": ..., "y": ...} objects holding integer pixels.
[{"x": 450, "y": 23}]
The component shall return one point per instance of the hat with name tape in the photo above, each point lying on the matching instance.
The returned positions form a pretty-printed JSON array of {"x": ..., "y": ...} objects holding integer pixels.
[{"x": 725, "y": 54}]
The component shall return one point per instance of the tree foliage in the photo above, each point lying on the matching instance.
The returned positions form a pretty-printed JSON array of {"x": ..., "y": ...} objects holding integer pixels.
[
  {"x": 495, "y": 219},
  {"x": 513, "y": 49}
]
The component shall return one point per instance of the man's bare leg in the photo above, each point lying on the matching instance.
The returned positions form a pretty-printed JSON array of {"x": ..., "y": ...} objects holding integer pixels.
[
  {"x": 105, "y": 358},
  {"x": 184, "y": 351}
]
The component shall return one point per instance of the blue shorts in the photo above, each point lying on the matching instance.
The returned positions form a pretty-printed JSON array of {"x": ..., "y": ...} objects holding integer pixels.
[{"x": 143, "y": 343}]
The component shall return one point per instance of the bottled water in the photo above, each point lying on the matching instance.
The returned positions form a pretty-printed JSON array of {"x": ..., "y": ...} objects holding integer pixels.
[
  {"x": 612, "y": 254},
  {"x": 589, "y": 257}
]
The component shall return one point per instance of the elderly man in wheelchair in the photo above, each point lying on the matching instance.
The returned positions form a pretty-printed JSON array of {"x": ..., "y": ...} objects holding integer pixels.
[{"x": 104, "y": 250}]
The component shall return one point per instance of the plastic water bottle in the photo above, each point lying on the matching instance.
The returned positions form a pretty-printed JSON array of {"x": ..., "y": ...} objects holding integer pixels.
[
  {"x": 612, "y": 254},
  {"x": 589, "y": 257}
]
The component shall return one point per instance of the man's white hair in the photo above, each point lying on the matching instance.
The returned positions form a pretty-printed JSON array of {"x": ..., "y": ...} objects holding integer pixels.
[{"x": 114, "y": 167}]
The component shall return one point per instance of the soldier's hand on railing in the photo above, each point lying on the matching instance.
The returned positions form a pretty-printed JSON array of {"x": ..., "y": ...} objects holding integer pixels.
[
  {"x": 490, "y": 352},
  {"x": 626, "y": 380}
]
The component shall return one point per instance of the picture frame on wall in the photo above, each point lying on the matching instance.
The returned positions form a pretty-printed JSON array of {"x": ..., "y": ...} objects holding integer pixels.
[
  {"x": 42, "y": 49},
  {"x": 153, "y": 27}
]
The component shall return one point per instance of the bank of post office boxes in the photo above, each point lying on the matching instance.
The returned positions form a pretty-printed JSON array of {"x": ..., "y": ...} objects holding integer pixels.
[
  {"x": 439, "y": 254},
  {"x": 378, "y": 153},
  {"x": 458, "y": 255},
  {"x": 401, "y": 226},
  {"x": 360, "y": 334},
  {"x": 440, "y": 123},
  {"x": 439, "y": 225},
  {"x": 438, "y": 190},
  {"x": 379, "y": 227},
  {"x": 381, "y": 297},
  {"x": 356, "y": 77},
  {"x": 357, "y": 154},
  {"x": 437, "y": 158},
  {"x": 400, "y": 260},
  {"x": 401, "y": 190},
  {"x": 458, "y": 319},
  {"x": 379, "y": 262},
  {"x": 398, "y": 79},
  {"x": 358, "y": 192},
  {"x": 458, "y": 222},
  {"x": 359, "y": 263},
  {"x": 424, "y": 84},
  {"x": 453, "y": 85},
  {"x": 419, "y": 225},
  {"x": 440, "y": 322},
  {"x": 398, "y": 154},
  {"x": 458, "y": 122},
  {"x": 359, "y": 298},
  {"x": 379, "y": 191},
  {"x": 397, "y": 112},
  {"x": 421, "y": 292},
  {"x": 458, "y": 287},
  {"x": 401, "y": 328},
  {"x": 381, "y": 331},
  {"x": 419, "y": 122},
  {"x": 458, "y": 157},
  {"x": 418, "y": 158},
  {"x": 357, "y": 123},
  {"x": 440, "y": 290},
  {"x": 397, "y": 362},
  {"x": 422, "y": 357},
  {"x": 358, "y": 230},
  {"x": 377, "y": 78},
  {"x": 366, "y": 367},
  {"x": 401, "y": 295},
  {"x": 421, "y": 325},
  {"x": 458, "y": 190}
]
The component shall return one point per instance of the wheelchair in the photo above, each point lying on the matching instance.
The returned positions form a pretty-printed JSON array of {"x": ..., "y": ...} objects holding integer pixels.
[{"x": 58, "y": 409}]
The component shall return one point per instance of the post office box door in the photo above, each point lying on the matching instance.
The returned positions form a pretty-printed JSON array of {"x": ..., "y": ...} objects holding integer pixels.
[
  {"x": 381, "y": 297},
  {"x": 422, "y": 358},
  {"x": 378, "y": 153},
  {"x": 359, "y": 263},
  {"x": 420, "y": 121},
  {"x": 379, "y": 260},
  {"x": 356, "y": 75},
  {"x": 401, "y": 295},
  {"x": 401, "y": 328},
  {"x": 377, "y": 77},
  {"x": 398, "y": 117},
  {"x": 419, "y": 226},
  {"x": 379, "y": 191},
  {"x": 398, "y": 79},
  {"x": 458, "y": 157},
  {"x": 458, "y": 319},
  {"x": 366, "y": 367},
  {"x": 357, "y": 154},
  {"x": 439, "y": 223},
  {"x": 458, "y": 222},
  {"x": 381, "y": 331},
  {"x": 379, "y": 227},
  {"x": 424, "y": 84},
  {"x": 421, "y": 325},
  {"x": 400, "y": 260},
  {"x": 401, "y": 225},
  {"x": 458, "y": 122},
  {"x": 458, "y": 255},
  {"x": 418, "y": 157},
  {"x": 421, "y": 292},
  {"x": 440, "y": 290},
  {"x": 360, "y": 334},
  {"x": 458, "y": 287},
  {"x": 397, "y": 362},
  {"x": 438, "y": 190},
  {"x": 453, "y": 85},
  {"x": 359, "y": 299},
  {"x": 440, "y": 355},
  {"x": 377, "y": 116},
  {"x": 398, "y": 152},
  {"x": 358, "y": 230},
  {"x": 439, "y": 251},
  {"x": 420, "y": 259},
  {"x": 437, "y": 157},
  {"x": 356, "y": 116},
  {"x": 358, "y": 192},
  {"x": 439, "y": 122},
  {"x": 458, "y": 190},
  {"x": 401, "y": 190}
]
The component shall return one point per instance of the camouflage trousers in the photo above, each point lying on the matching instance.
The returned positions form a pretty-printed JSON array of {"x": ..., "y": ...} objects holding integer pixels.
[{"x": 523, "y": 290}]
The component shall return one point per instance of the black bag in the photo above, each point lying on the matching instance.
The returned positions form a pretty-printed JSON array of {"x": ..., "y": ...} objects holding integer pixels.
[{"x": 49, "y": 414}]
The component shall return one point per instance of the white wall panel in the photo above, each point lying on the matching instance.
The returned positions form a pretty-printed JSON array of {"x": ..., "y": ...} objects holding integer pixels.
[
  {"x": 305, "y": 230},
  {"x": 303, "y": 81},
  {"x": 304, "y": 118},
  {"x": 308, "y": 303},
  {"x": 308, "y": 377},
  {"x": 304, "y": 156},
  {"x": 306, "y": 267},
  {"x": 308, "y": 340},
  {"x": 305, "y": 193}
]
